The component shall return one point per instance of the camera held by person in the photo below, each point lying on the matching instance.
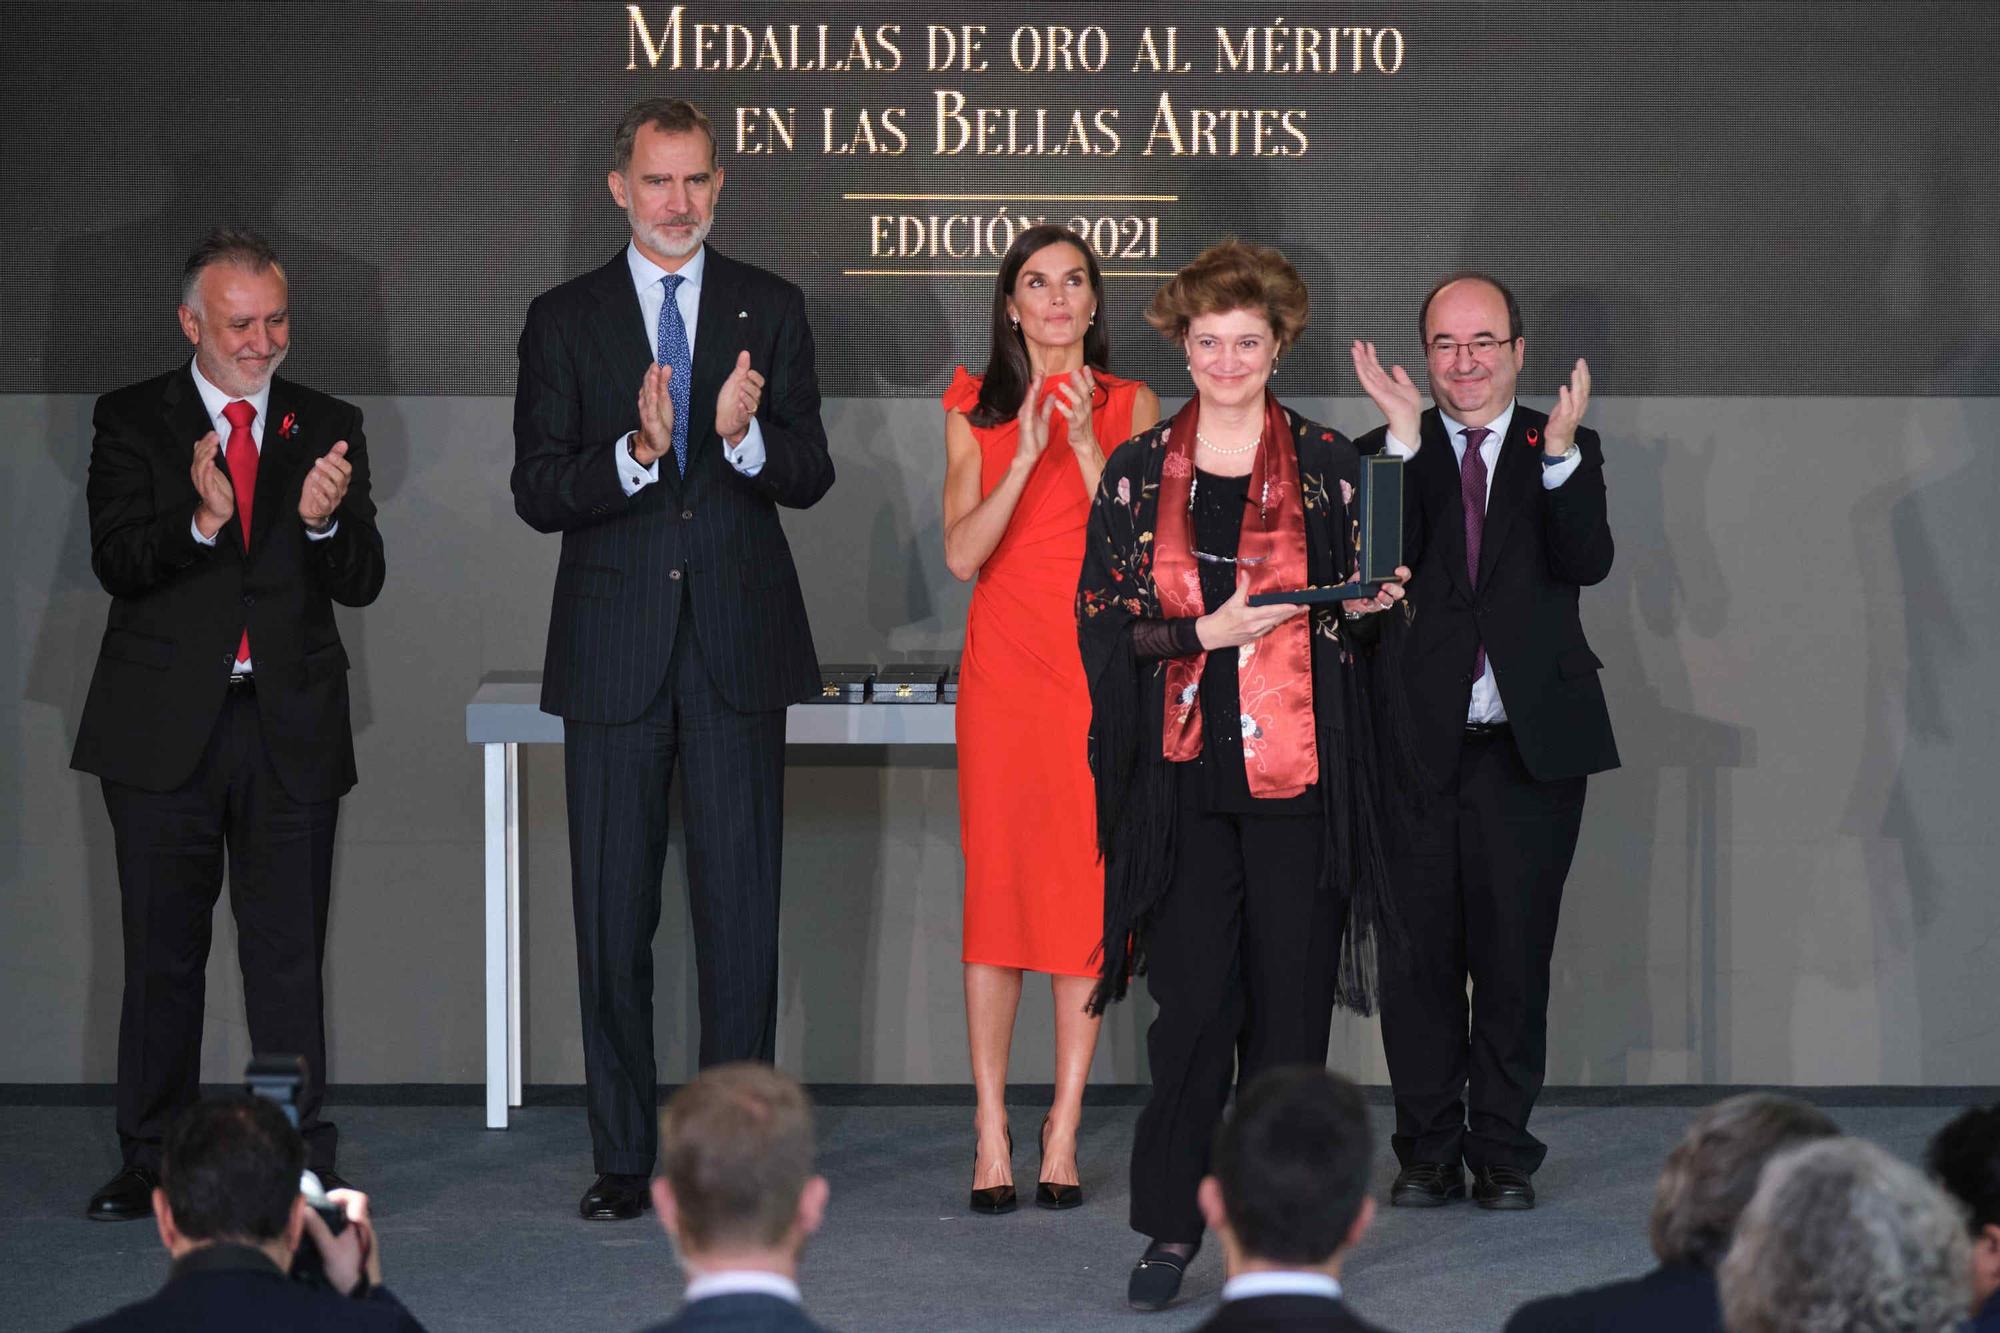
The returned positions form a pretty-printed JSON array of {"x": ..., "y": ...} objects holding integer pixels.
[{"x": 232, "y": 1213}]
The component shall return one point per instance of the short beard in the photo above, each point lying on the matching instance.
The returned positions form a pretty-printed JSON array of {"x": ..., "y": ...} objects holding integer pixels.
[
  {"x": 661, "y": 242},
  {"x": 239, "y": 387}
]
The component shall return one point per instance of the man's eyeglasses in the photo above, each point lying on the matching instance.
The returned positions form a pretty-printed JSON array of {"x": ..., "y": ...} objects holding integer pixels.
[{"x": 1482, "y": 349}]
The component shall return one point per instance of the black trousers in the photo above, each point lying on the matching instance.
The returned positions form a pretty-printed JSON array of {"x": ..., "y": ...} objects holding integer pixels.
[
  {"x": 1241, "y": 966},
  {"x": 617, "y": 778},
  {"x": 1480, "y": 887},
  {"x": 171, "y": 848}
]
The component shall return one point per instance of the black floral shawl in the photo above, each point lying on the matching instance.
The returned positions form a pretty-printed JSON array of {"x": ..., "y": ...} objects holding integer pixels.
[{"x": 1363, "y": 734}]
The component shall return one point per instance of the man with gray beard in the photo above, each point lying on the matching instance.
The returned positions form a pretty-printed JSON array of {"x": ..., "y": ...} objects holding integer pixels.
[
  {"x": 667, "y": 406},
  {"x": 229, "y": 511}
]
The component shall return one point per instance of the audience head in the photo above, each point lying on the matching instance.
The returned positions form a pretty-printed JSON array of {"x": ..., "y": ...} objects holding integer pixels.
[
  {"x": 1965, "y": 1159},
  {"x": 737, "y": 1188},
  {"x": 230, "y": 1173},
  {"x": 1840, "y": 1237},
  {"x": 1711, "y": 1174},
  {"x": 1289, "y": 1186},
  {"x": 1234, "y": 311},
  {"x": 1049, "y": 293}
]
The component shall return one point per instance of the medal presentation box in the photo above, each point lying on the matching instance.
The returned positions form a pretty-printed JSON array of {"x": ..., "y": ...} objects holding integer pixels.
[
  {"x": 1376, "y": 521},
  {"x": 844, "y": 682},
  {"x": 909, "y": 683}
]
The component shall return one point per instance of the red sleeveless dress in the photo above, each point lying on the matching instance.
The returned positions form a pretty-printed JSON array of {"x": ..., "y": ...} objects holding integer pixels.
[{"x": 1034, "y": 891}]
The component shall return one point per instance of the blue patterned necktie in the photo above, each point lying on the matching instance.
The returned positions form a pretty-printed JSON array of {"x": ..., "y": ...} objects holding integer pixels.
[{"x": 673, "y": 352}]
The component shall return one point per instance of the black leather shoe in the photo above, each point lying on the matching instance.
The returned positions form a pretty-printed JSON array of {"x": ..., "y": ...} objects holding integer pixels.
[
  {"x": 1048, "y": 1194},
  {"x": 126, "y": 1197},
  {"x": 1427, "y": 1185},
  {"x": 1503, "y": 1187},
  {"x": 994, "y": 1199},
  {"x": 1156, "y": 1278},
  {"x": 614, "y": 1198}
]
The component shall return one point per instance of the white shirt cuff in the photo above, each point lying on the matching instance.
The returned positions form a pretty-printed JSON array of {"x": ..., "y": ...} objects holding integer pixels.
[
  {"x": 331, "y": 528},
  {"x": 194, "y": 526},
  {"x": 747, "y": 456},
  {"x": 1395, "y": 448},
  {"x": 1556, "y": 474},
  {"x": 630, "y": 475}
]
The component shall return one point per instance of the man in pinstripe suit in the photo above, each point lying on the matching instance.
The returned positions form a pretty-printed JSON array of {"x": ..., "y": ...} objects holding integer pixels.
[{"x": 666, "y": 406}]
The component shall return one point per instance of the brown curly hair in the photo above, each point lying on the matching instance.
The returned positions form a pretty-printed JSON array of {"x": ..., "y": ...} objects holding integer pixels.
[{"x": 1233, "y": 275}]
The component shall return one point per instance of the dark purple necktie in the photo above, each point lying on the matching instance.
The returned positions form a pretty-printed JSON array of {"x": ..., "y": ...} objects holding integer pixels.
[{"x": 1472, "y": 491}]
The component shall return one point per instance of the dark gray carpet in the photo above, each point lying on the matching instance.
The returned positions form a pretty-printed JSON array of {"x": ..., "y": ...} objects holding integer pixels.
[{"x": 479, "y": 1229}]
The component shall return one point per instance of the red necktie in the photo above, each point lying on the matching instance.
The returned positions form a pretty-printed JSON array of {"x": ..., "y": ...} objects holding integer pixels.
[
  {"x": 1472, "y": 491},
  {"x": 242, "y": 456}
]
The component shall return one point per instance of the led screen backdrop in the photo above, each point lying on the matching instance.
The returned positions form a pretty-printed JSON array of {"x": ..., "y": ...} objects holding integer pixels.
[{"x": 1746, "y": 198}]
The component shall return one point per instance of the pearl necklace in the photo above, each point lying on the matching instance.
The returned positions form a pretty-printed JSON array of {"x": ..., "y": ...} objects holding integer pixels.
[{"x": 1215, "y": 448}]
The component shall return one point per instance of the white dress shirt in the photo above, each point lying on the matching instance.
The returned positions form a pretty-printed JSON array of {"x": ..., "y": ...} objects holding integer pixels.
[
  {"x": 1246, "y": 1285},
  {"x": 1485, "y": 705},
  {"x": 739, "y": 1282},
  {"x": 747, "y": 454},
  {"x": 215, "y": 400}
]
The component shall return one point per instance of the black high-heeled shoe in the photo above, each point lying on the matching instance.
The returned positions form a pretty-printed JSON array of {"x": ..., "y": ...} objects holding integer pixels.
[
  {"x": 994, "y": 1199},
  {"x": 1048, "y": 1194}
]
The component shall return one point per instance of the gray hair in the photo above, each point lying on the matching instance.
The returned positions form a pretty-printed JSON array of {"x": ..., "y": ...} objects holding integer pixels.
[
  {"x": 1712, "y": 1172},
  {"x": 669, "y": 115},
  {"x": 1841, "y": 1237},
  {"x": 226, "y": 245}
]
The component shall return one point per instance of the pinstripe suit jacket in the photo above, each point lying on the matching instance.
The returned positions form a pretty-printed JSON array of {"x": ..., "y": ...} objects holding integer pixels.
[{"x": 715, "y": 532}]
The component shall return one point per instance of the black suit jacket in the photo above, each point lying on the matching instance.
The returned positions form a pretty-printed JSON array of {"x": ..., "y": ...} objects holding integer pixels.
[
  {"x": 1538, "y": 549},
  {"x": 1287, "y": 1314},
  {"x": 619, "y": 582},
  {"x": 1673, "y": 1298},
  {"x": 745, "y": 1312},
  {"x": 179, "y": 608},
  {"x": 229, "y": 1288}
]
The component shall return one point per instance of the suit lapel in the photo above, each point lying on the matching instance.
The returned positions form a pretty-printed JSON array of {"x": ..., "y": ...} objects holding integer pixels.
[
  {"x": 1514, "y": 471},
  {"x": 187, "y": 415},
  {"x": 620, "y": 329},
  {"x": 1445, "y": 476},
  {"x": 277, "y": 468},
  {"x": 716, "y": 343}
]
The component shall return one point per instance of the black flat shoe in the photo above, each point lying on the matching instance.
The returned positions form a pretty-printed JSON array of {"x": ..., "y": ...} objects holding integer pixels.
[
  {"x": 1503, "y": 1188},
  {"x": 1427, "y": 1185},
  {"x": 1156, "y": 1278},
  {"x": 1048, "y": 1194},
  {"x": 126, "y": 1197},
  {"x": 994, "y": 1199},
  {"x": 614, "y": 1198}
]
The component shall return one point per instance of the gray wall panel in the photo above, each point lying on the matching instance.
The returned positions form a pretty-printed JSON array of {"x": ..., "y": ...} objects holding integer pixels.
[{"x": 1789, "y": 880}]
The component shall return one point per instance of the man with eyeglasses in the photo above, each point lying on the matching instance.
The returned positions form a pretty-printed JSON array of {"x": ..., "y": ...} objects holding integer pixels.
[{"x": 1504, "y": 522}]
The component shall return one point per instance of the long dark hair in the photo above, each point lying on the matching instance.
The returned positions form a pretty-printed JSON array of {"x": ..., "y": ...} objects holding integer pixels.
[{"x": 1007, "y": 368}]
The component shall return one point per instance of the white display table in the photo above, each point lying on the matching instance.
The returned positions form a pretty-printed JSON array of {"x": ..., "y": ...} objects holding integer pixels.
[{"x": 503, "y": 716}]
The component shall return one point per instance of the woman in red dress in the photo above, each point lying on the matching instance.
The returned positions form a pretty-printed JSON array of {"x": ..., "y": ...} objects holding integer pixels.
[{"x": 1024, "y": 446}]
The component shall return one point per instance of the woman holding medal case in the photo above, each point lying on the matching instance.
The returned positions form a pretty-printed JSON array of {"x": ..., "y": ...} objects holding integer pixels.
[
  {"x": 1024, "y": 445},
  {"x": 1235, "y": 747}
]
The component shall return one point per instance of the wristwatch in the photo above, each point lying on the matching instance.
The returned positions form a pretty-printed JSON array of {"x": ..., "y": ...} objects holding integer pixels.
[{"x": 1563, "y": 457}]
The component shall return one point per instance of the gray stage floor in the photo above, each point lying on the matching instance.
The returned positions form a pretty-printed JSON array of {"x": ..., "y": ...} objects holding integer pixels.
[{"x": 479, "y": 1230}]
